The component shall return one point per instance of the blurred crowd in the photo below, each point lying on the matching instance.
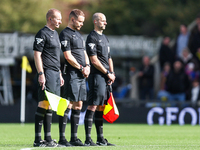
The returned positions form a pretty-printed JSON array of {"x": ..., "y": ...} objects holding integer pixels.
[{"x": 180, "y": 69}]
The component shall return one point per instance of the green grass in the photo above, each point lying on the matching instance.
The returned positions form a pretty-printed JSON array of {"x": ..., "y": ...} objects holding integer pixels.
[{"x": 125, "y": 136}]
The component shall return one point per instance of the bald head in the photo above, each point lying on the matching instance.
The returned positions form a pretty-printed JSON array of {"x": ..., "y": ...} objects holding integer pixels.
[
  {"x": 99, "y": 20},
  {"x": 97, "y": 16},
  {"x": 52, "y": 13}
]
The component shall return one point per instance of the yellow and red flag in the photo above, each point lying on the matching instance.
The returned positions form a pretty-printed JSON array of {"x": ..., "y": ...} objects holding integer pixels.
[{"x": 110, "y": 112}]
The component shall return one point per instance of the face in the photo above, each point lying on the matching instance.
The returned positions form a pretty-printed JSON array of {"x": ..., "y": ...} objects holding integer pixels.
[
  {"x": 195, "y": 83},
  {"x": 146, "y": 61},
  {"x": 185, "y": 53},
  {"x": 78, "y": 23},
  {"x": 166, "y": 40},
  {"x": 177, "y": 65},
  {"x": 167, "y": 68},
  {"x": 101, "y": 23},
  {"x": 56, "y": 21},
  {"x": 198, "y": 20},
  {"x": 183, "y": 29}
]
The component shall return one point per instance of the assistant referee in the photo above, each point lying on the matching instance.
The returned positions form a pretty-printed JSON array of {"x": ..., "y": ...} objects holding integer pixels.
[
  {"x": 102, "y": 74},
  {"x": 47, "y": 61}
]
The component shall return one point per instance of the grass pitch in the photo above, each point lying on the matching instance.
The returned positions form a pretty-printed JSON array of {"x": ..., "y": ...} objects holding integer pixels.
[{"x": 125, "y": 136}]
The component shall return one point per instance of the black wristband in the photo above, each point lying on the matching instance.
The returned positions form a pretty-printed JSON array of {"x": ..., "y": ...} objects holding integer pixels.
[
  {"x": 81, "y": 68},
  {"x": 88, "y": 65},
  {"x": 112, "y": 73}
]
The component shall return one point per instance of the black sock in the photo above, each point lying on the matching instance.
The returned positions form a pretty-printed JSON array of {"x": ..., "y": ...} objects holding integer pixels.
[
  {"x": 39, "y": 117},
  {"x": 47, "y": 125},
  {"x": 99, "y": 124},
  {"x": 88, "y": 123},
  {"x": 62, "y": 124},
  {"x": 74, "y": 123}
]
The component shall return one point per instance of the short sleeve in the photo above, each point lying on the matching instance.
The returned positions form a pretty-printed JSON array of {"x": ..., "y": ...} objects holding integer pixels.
[
  {"x": 39, "y": 42},
  {"x": 91, "y": 46},
  {"x": 65, "y": 42},
  {"x": 109, "y": 56}
]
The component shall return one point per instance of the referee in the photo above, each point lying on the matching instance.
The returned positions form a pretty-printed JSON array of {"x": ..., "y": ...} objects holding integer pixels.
[
  {"x": 77, "y": 69},
  {"x": 47, "y": 61},
  {"x": 102, "y": 74}
]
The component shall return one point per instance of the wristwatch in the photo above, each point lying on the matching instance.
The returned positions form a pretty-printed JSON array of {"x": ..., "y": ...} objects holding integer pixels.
[
  {"x": 107, "y": 72},
  {"x": 40, "y": 73},
  {"x": 81, "y": 68}
]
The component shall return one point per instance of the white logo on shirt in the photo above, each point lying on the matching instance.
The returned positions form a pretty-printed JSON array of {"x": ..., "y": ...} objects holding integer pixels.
[
  {"x": 64, "y": 43},
  {"x": 91, "y": 45},
  {"x": 39, "y": 40},
  {"x": 108, "y": 49},
  {"x": 99, "y": 41}
]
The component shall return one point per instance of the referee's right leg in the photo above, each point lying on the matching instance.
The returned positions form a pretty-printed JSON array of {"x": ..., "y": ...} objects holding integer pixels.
[{"x": 39, "y": 119}]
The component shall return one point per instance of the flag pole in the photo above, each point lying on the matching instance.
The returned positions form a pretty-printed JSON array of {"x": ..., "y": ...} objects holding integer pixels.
[{"x": 23, "y": 92}]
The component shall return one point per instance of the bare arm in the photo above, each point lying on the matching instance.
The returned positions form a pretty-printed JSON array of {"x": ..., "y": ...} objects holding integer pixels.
[
  {"x": 111, "y": 65},
  {"x": 39, "y": 67},
  {"x": 97, "y": 64},
  {"x": 86, "y": 69},
  {"x": 87, "y": 61},
  {"x": 71, "y": 60}
]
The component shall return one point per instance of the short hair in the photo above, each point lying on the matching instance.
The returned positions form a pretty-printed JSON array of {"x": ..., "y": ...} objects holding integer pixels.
[
  {"x": 186, "y": 49},
  {"x": 76, "y": 13},
  {"x": 51, "y": 13},
  {"x": 183, "y": 25},
  {"x": 96, "y": 16}
]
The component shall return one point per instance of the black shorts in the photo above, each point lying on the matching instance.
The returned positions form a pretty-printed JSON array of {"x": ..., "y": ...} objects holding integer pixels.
[
  {"x": 52, "y": 84},
  {"x": 97, "y": 89},
  {"x": 74, "y": 88}
]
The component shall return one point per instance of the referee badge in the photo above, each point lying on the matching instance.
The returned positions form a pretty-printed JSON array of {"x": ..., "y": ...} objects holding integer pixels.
[
  {"x": 39, "y": 40},
  {"x": 64, "y": 43},
  {"x": 91, "y": 45}
]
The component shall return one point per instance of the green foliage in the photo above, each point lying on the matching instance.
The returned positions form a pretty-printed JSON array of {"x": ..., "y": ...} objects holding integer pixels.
[
  {"x": 128, "y": 17},
  {"x": 147, "y": 17},
  {"x": 23, "y": 15}
]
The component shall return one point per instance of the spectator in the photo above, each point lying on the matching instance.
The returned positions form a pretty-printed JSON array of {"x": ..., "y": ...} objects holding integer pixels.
[
  {"x": 182, "y": 40},
  {"x": 187, "y": 57},
  {"x": 190, "y": 64},
  {"x": 194, "y": 93},
  {"x": 146, "y": 81},
  {"x": 190, "y": 71},
  {"x": 194, "y": 39},
  {"x": 163, "y": 94},
  {"x": 177, "y": 83},
  {"x": 165, "y": 53},
  {"x": 132, "y": 71}
]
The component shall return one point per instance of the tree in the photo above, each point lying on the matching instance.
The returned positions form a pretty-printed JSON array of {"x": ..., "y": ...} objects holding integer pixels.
[{"x": 128, "y": 17}]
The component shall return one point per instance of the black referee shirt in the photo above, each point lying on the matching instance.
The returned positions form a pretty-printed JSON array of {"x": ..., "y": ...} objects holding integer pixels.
[
  {"x": 73, "y": 40},
  {"x": 47, "y": 42},
  {"x": 98, "y": 45}
]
